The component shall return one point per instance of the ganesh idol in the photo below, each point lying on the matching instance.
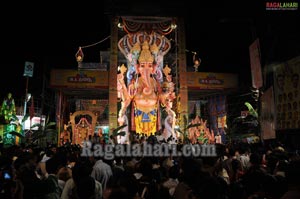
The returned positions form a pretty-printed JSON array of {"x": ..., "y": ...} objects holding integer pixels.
[{"x": 143, "y": 96}]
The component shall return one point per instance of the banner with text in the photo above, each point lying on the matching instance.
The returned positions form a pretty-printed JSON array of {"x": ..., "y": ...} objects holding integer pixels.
[
  {"x": 207, "y": 80},
  {"x": 78, "y": 79}
]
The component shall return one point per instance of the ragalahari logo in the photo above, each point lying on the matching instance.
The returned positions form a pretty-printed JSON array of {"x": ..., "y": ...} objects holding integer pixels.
[{"x": 281, "y": 5}]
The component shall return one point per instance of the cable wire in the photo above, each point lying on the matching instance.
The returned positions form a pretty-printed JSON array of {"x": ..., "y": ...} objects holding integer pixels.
[{"x": 94, "y": 44}]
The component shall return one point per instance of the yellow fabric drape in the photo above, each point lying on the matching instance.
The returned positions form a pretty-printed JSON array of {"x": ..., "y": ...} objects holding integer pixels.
[{"x": 145, "y": 122}]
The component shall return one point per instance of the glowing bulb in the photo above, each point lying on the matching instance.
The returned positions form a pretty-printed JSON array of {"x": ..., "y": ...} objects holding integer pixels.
[{"x": 173, "y": 26}]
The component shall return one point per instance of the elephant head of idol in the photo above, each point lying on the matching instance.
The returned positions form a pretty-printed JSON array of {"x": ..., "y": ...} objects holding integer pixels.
[
  {"x": 146, "y": 66},
  {"x": 131, "y": 45}
]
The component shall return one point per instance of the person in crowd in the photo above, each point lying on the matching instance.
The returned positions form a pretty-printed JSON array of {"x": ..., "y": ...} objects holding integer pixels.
[
  {"x": 172, "y": 180},
  {"x": 82, "y": 185},
  {"x": 244, "y": 155},
  {"x": 256, "y": 177},
  {"x": 52, "y": 167},
  {"x": 197, "y": 180},
  {"x": 64, "y": 174},
  {"x": 101, "y": 171},
  {"x": 31, "y": 186}
]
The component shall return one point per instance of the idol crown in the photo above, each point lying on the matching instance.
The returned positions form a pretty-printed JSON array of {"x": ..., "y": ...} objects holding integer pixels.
[{"x": 147, "y": 53}]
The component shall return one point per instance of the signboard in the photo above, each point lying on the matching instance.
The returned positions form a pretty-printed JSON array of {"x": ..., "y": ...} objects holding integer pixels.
[
  {"x": 78, "y": 79},
  {"x": 203, "y": 80},
  {"x": 28, "y": 69}
]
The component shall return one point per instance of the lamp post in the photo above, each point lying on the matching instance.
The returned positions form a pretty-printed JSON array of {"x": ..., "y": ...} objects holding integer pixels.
[
  {"x": 27, "y": 98},
  {"x": 27, "y": 95},
  {"x": 28, "y": 72}
]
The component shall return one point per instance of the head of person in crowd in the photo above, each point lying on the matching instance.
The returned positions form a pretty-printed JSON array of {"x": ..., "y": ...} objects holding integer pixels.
[{"x": 85, "y": 184}]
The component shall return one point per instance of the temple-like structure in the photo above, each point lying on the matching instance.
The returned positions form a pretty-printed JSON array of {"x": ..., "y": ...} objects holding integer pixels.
[{"x": 141, "y": 87}]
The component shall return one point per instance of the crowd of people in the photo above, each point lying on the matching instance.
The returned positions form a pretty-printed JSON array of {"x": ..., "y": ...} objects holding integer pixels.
[{"x": 240, "y": 171}]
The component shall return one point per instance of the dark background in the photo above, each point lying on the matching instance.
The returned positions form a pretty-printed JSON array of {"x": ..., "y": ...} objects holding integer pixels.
[{"x": 49, "y": 34}]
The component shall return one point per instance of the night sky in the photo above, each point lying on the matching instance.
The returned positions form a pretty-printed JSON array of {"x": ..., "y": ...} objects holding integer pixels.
[{"x": 220, "y": 32}]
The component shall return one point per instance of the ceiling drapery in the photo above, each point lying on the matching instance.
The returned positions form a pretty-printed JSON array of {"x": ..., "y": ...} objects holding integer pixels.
[{"x": 161, "y": 25}]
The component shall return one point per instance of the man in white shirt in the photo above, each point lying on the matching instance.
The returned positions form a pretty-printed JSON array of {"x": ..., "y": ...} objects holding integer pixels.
[{"x": 102, "y": 172}]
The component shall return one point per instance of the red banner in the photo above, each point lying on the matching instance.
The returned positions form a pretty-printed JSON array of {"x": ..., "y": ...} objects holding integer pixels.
[{"x": 254, "y": 51}]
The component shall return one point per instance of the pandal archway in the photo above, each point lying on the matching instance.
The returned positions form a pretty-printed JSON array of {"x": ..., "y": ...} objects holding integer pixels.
[{"x": 83, "y": 126}]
